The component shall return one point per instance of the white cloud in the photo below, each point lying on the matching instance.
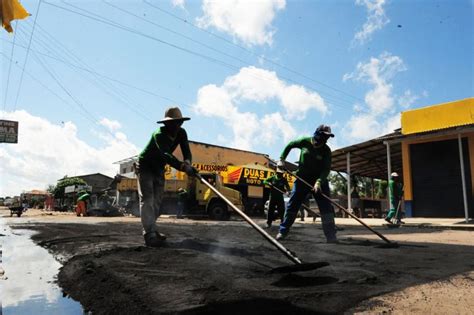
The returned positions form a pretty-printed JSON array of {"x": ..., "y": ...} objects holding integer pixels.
[
  {"x": 407, "y": 99},
  {"x": 112, "y": 125},
  {"x": 378, "y": 72},
  {"x": 381, "y": 114},
  {"x": 178, "y": 3},
  {"x": 248, "y": 20},
  {"x": 46, "y": 152},
  {"x": 257, "y": 86},
  {"x": 376, "y": 20}
]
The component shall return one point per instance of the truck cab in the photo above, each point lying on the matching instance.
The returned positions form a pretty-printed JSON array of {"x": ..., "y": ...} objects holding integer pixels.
[{"x": 206, "y": 199}]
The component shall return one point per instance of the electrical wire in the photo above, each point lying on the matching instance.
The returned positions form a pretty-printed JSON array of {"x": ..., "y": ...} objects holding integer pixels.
[
  {"x": 106, "y": 87},
  {"x": 128, "y": 29},
  {"x": 327, "y": 95},
  {"x": 27, "y": 53},
  {"x": 252, "y": 52},
  {"x": 10, "y": 68},
  {"x": 44, "y": 85},
  {"x": 107, "y": 77}
]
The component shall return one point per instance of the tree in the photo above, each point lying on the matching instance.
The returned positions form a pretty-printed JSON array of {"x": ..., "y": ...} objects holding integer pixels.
[
  {"x": 338, "y": 184},
  {"x": 66, "y": 181},
  {"x": 51, "y": 188},
  {"x": 382, "y": 189}
]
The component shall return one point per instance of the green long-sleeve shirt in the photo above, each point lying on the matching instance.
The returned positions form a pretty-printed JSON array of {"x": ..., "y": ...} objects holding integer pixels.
[
  {"x": 159, "y": 151},
  {"x": 396, "y": 191},
  {"x": 278, "y": 182},
  {"x": 314, "y": 162}
]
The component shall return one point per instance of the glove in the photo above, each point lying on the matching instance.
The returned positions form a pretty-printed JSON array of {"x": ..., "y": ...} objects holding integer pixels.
[
  {"x": 188, "y": 169},
  {"x": 281, "y": 164},
  {"x": 317, "y": 187}
]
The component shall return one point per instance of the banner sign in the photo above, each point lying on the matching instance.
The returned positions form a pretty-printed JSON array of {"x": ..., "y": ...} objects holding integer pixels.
[
  {"x": 8, "y": 131},
  {"x": 238, "y": 175},
  {"x": 231, "y": 174}
]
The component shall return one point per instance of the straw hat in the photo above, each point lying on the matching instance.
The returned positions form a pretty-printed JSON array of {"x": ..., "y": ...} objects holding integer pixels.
[{"x": 173, "y": 114}]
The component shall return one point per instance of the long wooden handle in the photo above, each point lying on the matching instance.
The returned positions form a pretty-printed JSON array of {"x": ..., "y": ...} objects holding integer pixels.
[
  {"x": 342, "y": 208},
  {"x": 303, "y": 205},
  {"x": 270, "y": 239}
]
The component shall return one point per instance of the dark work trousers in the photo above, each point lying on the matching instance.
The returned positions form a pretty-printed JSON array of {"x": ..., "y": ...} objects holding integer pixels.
[
  {"x": 150, "y": 191},
  {"x": 298, "y": 195},
  {"x": 276, "y": 203}
]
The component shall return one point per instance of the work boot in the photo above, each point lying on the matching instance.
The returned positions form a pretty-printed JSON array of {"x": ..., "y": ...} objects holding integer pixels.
[
  {"x": 280, "y": 236},
  {"x": 154, "y": 239},
  {"x": 160, "y": 236}
]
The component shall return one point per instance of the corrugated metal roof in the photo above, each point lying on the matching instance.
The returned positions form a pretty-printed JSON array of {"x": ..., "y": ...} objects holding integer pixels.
[
  {"x": 438, "y": 117},
  {"x": 369, "y": 158}
]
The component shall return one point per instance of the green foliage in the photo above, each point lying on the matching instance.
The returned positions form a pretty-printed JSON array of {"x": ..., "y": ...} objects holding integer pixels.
[
  {"x": 51, "y": 189},
  {"x": 66, "y": 181},
  {"x": 338, "y": 184},
  {"x": 363, "y": 185},
  {"x": 382, "y": 189}
]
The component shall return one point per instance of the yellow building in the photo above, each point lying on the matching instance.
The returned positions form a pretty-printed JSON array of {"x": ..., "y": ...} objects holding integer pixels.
[
  {"x": 434, "y": 150},
  {"x": 438, "y": 159}
]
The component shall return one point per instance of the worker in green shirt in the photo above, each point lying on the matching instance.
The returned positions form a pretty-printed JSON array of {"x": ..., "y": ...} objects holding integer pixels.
[
  {"x": 151, "y": 170},
  {"x": 396, "y": 192},
  {"x": 277, "y": 184},
  {"x": 313, "y": 167}
]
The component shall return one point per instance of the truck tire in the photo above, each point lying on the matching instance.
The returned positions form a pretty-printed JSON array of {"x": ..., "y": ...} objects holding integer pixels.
[{"x": 218, "y": 211}]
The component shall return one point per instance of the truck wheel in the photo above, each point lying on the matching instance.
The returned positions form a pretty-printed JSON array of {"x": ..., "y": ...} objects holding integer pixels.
[{"x": 218, "y": 211}]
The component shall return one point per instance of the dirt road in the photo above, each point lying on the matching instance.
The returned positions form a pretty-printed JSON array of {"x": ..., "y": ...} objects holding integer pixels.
[{"x": 222, "y": 267}]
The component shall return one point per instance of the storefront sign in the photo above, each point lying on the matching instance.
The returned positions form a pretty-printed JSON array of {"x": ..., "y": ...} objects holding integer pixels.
[
  {"x": 8, "y": 131},
  {"x": 216, "y": 168}
]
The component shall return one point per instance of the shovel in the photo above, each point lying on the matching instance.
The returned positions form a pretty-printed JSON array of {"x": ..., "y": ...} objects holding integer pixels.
[
  {"x": 389, "y": 243},
  {"x": 298, "y": 264}
]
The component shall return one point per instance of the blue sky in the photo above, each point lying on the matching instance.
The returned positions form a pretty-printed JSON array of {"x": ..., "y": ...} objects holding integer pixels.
[{"x": 250, "y": 74}]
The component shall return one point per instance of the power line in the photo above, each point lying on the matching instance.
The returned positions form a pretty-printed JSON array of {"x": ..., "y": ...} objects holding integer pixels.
[
  {"x": 43, "y": 85},
  {"x": 252, "y": 52},
  {"x": 88, "y": 115},
  {"x": 10, "y": 68},
  {"x": 27, "y": 53},
  {"x": 128, "y": 29},
  {"x": 327, "y": 95},
  {"x": 107, "y": 77},
  {"x": 100, "y": 82}
]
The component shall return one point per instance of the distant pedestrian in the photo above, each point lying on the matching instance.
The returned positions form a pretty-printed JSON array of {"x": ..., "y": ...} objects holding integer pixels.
[
  {"x": 151, "y": 170},
  {"x": 396, "y": 191},
  {"x": 313, "y": 167},
  {"x": 81, "y": 206},
  {"x": 182, "y": 201},
  {"x": 278, "y": 184}
]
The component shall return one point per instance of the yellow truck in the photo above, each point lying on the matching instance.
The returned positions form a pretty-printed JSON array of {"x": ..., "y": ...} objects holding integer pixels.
[{"x": 201, "y": 200}]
